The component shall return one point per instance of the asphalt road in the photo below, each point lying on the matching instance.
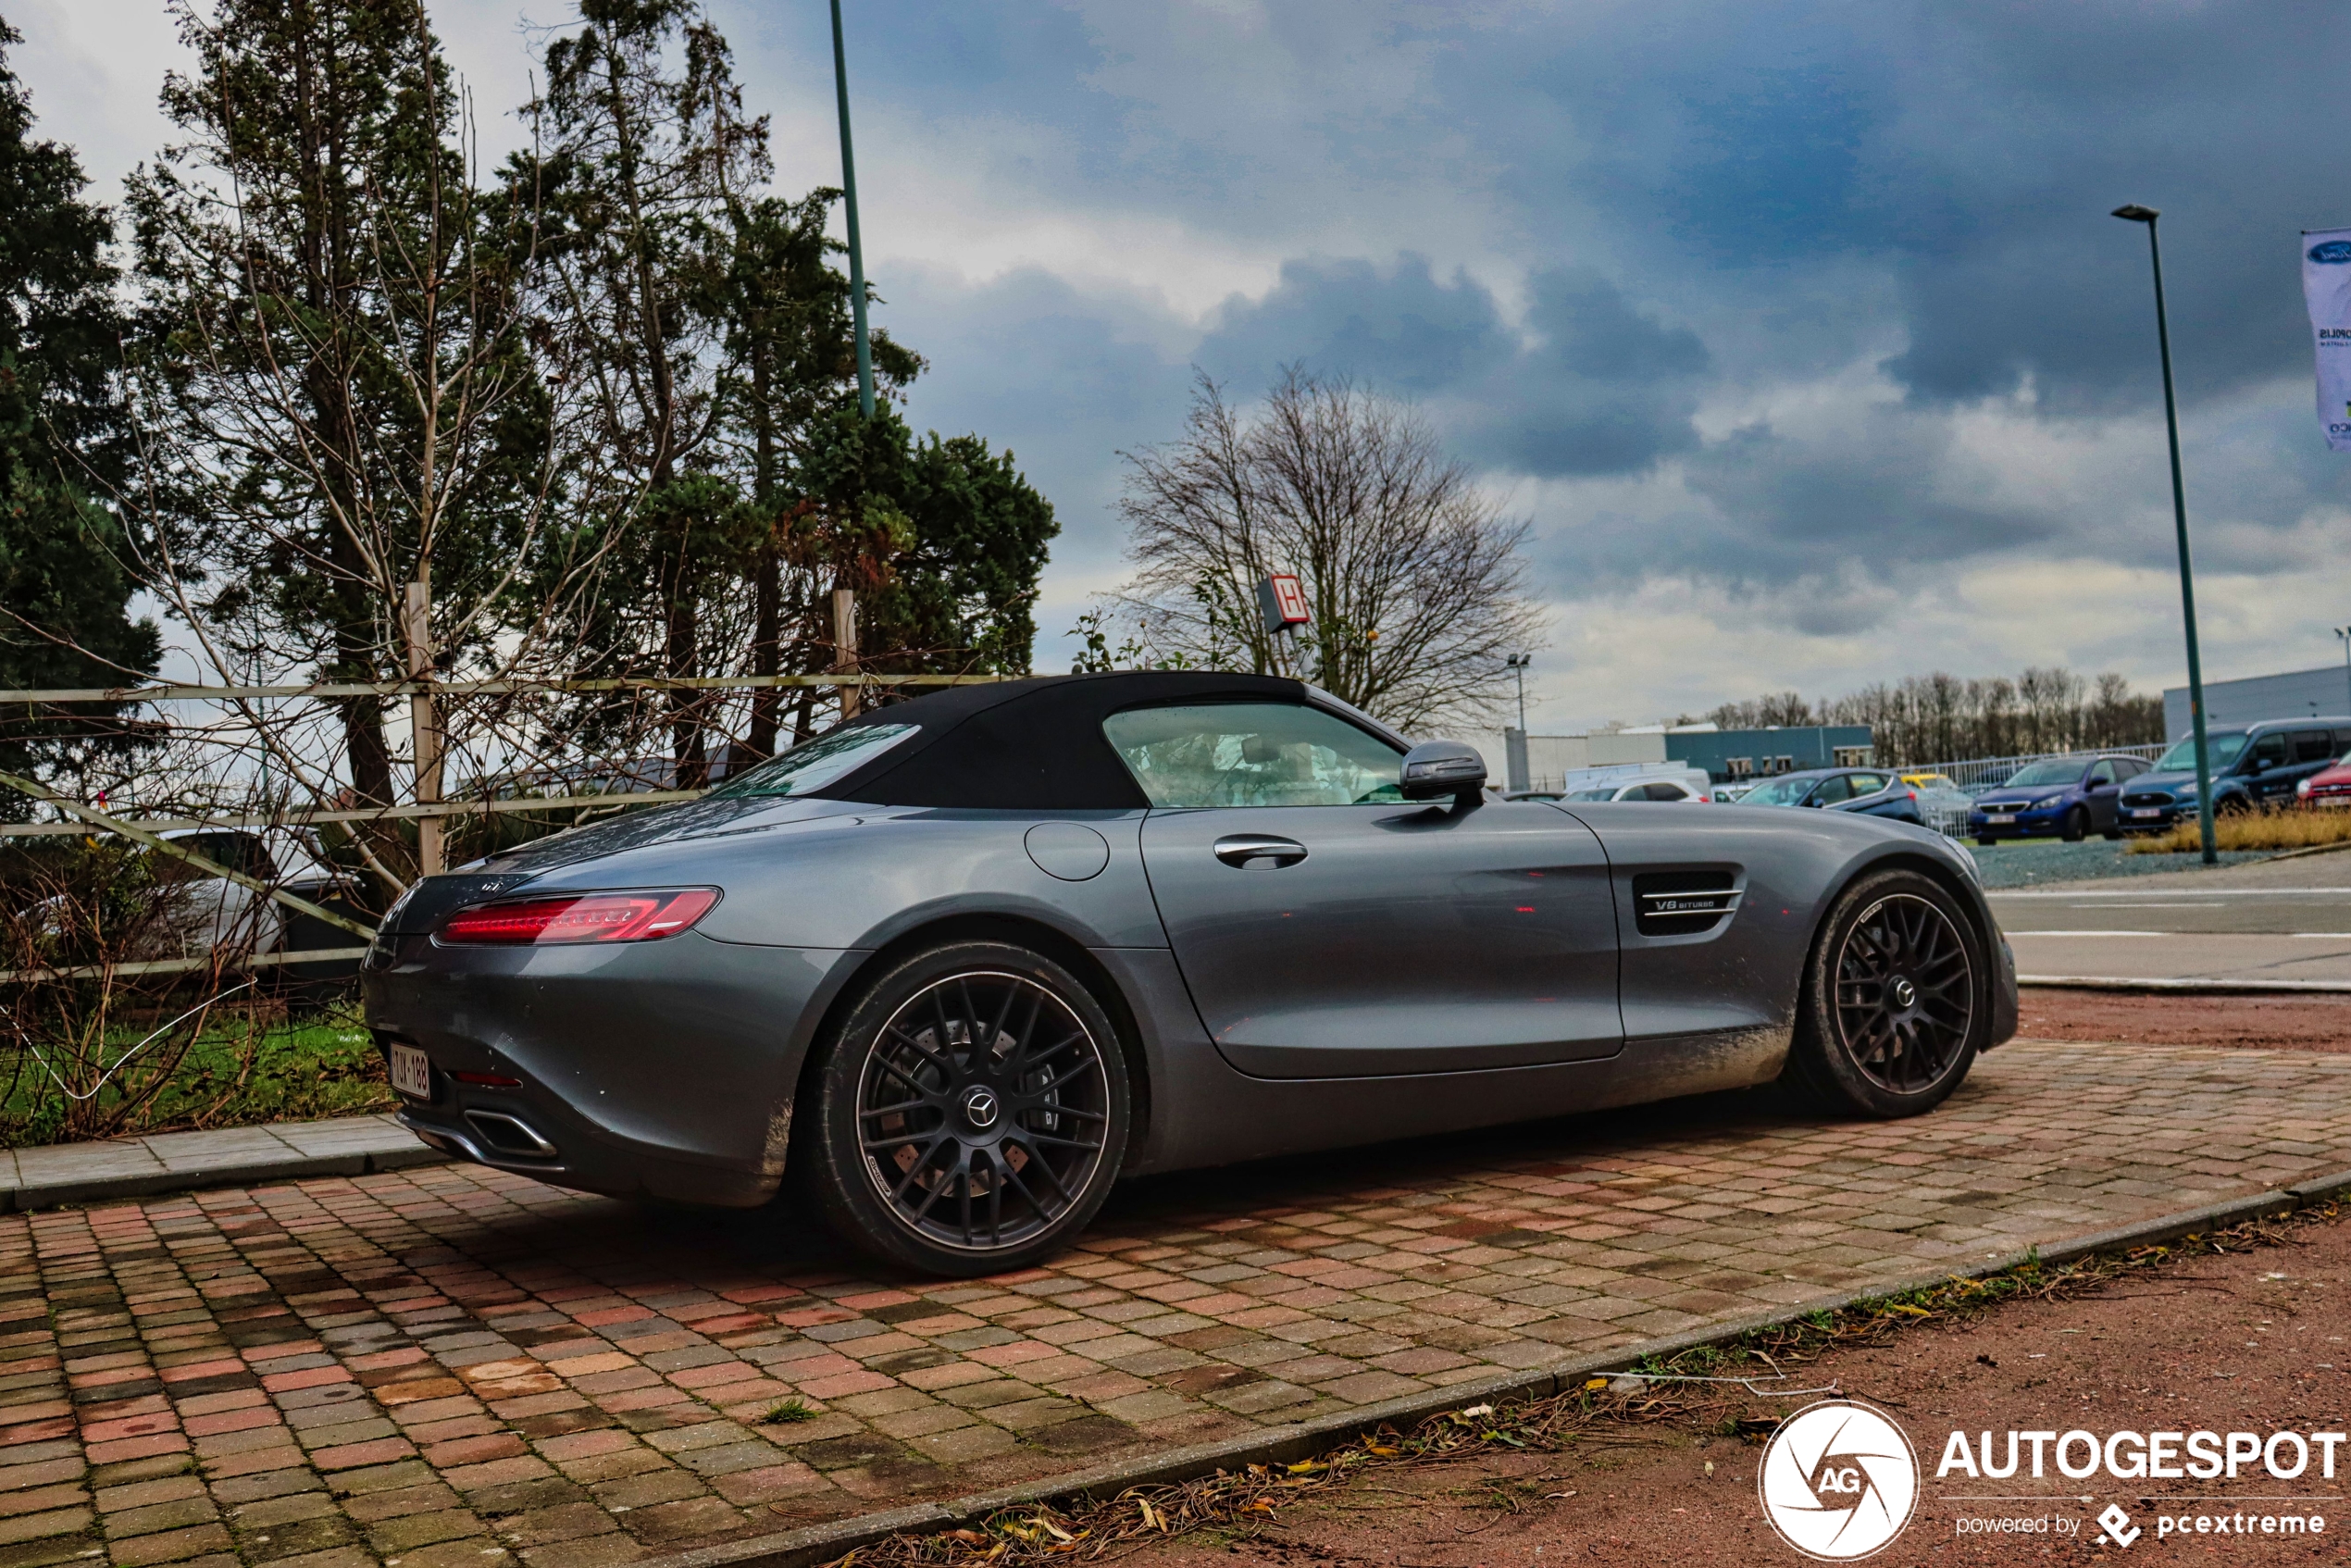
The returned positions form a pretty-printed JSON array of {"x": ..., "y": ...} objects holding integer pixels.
[{"x": 2290, "y": 926}]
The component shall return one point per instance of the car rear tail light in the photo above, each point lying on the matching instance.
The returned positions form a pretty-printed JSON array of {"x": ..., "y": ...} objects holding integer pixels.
[{"x": 581, "y": 917}]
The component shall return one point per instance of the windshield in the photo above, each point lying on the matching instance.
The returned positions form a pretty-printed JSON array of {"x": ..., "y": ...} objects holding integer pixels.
[
  {"x": 2057, "y": 770},
  {"x": 2180, "y": 758},
  {"x": 812, "y": 764},
  {"x": 1778, "y": 793}
]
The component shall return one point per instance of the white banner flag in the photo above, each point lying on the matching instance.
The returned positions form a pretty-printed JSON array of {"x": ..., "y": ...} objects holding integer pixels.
[{"x": 2326, "y": 289}]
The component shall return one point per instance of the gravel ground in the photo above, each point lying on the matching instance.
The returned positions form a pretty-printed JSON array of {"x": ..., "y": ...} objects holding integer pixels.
[
  {"x": 2250, "y": 1342},
  {"x": 2032, "y": 863},
  {"x": 2279, "y": 1023}
]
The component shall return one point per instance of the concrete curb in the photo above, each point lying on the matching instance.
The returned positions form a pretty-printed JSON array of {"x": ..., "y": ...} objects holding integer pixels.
[
  {"x": 2205, "y": 988},
  {"x": 1284, "y": 1445},
  {"x": 32, "y": 1196}
]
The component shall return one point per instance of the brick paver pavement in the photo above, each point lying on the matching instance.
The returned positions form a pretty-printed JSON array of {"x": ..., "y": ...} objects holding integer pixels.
[{"x": 451, "y": 1365}]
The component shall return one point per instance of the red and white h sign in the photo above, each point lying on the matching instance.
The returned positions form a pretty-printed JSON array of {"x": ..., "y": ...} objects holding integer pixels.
[{"x": 1281, "y": 599}]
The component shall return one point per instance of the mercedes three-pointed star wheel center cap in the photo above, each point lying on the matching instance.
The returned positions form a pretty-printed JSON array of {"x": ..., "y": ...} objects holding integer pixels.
[
  {"x": 1905, "y": 995},
  {"x": 981, "y": 1107}
]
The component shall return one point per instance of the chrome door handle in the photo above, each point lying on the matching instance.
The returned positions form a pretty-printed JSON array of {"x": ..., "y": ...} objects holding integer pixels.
[{"x": 1259, "y": 852}]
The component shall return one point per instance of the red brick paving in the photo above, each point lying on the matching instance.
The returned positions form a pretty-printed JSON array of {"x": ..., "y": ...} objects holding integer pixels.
[{"x": 452, "y": 1365}]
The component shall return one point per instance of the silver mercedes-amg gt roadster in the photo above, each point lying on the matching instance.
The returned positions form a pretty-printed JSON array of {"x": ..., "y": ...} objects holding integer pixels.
[{"x": 945, "y": 972}]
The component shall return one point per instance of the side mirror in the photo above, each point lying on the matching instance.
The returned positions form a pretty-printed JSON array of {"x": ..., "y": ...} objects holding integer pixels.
[{"x": 1437, "y": 769}]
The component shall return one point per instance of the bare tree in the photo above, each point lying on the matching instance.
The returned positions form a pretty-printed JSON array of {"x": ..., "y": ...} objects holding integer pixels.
[
  {"x": 1412, "y": 577},
  {"x": 347, "y": 443},
  {"x": 1938, "y": 717}
]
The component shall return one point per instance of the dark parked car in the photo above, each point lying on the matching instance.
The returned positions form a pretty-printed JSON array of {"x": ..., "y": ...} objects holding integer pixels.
[
  {"x": 2070, "y": 798},
  {"x": 957, "y": 965},
  {"x": 1872, "y": 792},
  {"x": 2253, "y": 765}
]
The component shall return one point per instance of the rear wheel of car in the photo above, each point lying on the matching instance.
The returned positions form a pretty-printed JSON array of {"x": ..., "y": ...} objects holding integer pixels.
[
  {"x": 1985, "y": 839},
  {"x": 970, "y": 1112},
  {"x": 2075, "y": 826},
  {"x": 1894, "y": 1006}
]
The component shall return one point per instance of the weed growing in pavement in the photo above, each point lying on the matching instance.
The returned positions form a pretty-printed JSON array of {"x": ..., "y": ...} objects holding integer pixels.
[
  {"x": 1578, "y": 1420},
  {"x": 784, "y": 1412}
]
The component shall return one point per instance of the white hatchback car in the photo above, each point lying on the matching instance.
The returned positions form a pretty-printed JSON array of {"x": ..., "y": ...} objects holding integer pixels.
[{"x": 1685, "y": 785}]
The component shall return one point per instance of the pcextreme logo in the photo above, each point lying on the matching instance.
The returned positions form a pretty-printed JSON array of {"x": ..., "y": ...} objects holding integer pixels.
[{"x": 1838, "y": 1480}]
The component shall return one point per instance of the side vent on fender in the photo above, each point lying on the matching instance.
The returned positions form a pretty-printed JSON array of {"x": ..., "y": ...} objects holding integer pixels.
[{"x": 1682, "y": 903}]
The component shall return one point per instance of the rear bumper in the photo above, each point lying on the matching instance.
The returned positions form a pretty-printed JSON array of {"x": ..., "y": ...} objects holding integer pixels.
[{"x": 659, "y": 1070}]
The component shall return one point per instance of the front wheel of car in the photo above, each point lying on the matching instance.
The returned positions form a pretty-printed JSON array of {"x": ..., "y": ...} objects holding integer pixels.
[
  {"x": 1895, "y": 1002},
  {"x": 2076, "y": 826},
  {"x": 969, "y": 1114}
]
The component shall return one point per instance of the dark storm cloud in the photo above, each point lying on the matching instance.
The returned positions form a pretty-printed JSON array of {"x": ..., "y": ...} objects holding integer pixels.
[
  {"x": 1702, "y": 199},
  {"x": 1972, "y": 151},
  {"x": 1595, "y": 386}
]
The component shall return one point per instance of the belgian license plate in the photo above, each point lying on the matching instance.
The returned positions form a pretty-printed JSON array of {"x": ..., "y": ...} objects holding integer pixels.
[
  {"x": 2330, "y": 803},
  {"x": 2142, "y": 814},
  {"x": 412, "y": 1072},
  {"x": 2000, "y": 818}
]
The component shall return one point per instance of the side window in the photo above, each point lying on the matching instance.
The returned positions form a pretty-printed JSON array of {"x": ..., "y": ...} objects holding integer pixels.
[
  {"x": 2126, "y": 768},
  {"x": 1832, "y": 789},
  {"x": 1865, "y": 783},
  {"x": 2312, "y": 745},
  {"x": 2102, "y": 774},
  {"x": 2268, "y": 752},
  {"x": 2342, "y": 742},
  {"x": 1252, "y": 754}
]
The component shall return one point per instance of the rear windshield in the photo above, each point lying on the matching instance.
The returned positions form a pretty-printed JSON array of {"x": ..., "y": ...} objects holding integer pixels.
[
  {"x": 814, "y": 763},
  {"x": 2226, "y": 747}
]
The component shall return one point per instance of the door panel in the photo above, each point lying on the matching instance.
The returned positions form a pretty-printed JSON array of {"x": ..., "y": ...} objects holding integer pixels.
[{"x": 1403, "y": 938}]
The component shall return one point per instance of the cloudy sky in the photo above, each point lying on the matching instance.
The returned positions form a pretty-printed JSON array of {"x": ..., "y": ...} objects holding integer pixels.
[{"x": 1798, "y": 332}]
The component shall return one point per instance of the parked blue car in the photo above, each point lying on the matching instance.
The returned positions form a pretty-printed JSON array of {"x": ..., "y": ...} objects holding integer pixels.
[
  {"x": 1871, "y": 791},
  {"x": 2069, "y": 798},
  {"x": 2253, "y": 765}
]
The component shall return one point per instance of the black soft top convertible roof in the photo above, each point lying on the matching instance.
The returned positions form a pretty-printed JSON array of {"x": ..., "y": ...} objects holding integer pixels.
[{"x": 1033, "y": 745}]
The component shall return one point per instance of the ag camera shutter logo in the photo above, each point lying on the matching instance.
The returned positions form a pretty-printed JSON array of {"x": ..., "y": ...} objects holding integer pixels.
[{"x": 1838, "y": 1481}]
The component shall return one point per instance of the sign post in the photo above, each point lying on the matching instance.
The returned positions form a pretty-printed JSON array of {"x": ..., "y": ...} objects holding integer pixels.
[{"x": 1281, "y": 604}]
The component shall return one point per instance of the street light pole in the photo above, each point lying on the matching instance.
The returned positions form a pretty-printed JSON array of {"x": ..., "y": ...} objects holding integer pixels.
[
  {"x": 2344, "y": 633},
  {"x": 856, "y": 246},
  {"x": 2133, "y": 212},
  {"x": 1518, "y": 663}
]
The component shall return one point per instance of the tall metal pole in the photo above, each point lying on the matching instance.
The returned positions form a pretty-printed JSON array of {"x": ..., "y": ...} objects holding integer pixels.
[
  {"x": 856, "y": 247},
  {"x": 2344, "y": 633},
  {"x": 2147, "y": 215}
]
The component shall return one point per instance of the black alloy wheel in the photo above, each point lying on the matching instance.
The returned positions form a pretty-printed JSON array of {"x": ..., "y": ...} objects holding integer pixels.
[
  {"x": 973, "y": 1114},
  {"x": 1895, "y": 1004}
]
